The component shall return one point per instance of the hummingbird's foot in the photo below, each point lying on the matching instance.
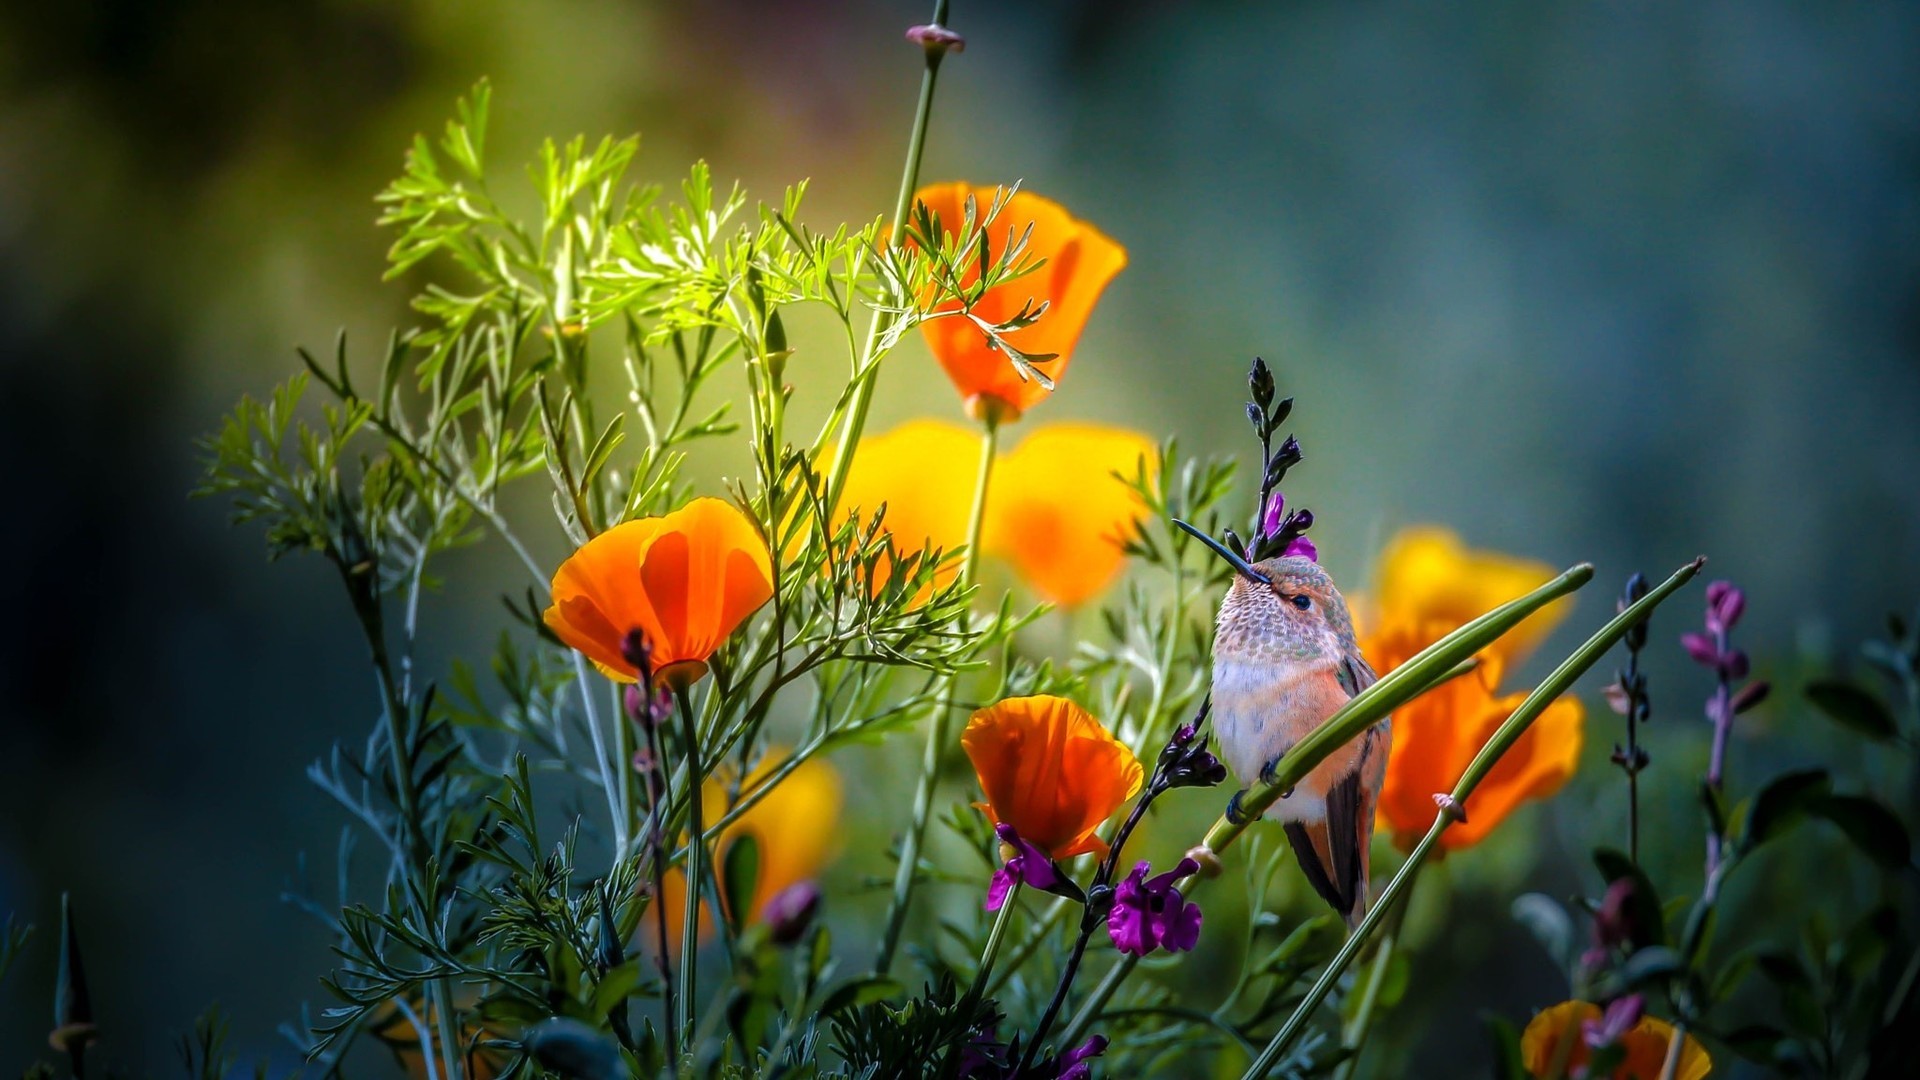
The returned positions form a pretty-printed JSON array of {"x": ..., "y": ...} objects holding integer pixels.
[
  {"x": 1235, "y": 815},
  {"x": 1268, "y": 776}
]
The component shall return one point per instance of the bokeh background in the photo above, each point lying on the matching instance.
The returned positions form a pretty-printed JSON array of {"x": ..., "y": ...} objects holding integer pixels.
[{"x": 1616, "y": 282}]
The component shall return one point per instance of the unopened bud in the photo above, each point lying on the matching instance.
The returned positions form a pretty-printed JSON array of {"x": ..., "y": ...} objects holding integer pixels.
[
  {"x": 1449, "y": 806},
  {"x": 1206, "y": 862},
  {"x": 635, "y": 650},
  {"x": 1260, "y": 381},
  {"x": 789, "y": 912},
  {"x": 936, "y": 39},
  {"x": 1750, "y": 695}
]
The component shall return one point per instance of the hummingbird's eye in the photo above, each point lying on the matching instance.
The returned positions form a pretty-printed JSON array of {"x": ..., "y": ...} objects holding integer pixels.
[{"x": 1301, "y": 601}]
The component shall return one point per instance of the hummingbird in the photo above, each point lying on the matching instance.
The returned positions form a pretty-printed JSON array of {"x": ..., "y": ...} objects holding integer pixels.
[{"x": 1284, "y": 660}]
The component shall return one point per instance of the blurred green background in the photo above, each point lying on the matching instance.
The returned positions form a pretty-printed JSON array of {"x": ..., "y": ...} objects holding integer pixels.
[{"x": 1622, "y": 283}]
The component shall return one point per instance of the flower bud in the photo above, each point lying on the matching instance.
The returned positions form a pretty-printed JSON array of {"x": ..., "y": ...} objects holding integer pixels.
[
  {"x": 1702, "y": 649},
  {"x": 1207, "y": 863},
  {"x": 1260, "y": 382},
  {"x": 789, "y": 912},
  {"x": 1725, "y": 604},
  {"x": 936, "y": 39},
  {"x": 1750, "y": 695},
  {"x": 1302, "y": 547},
  {"x": 635, "y": 650},
  {"x": 1276, "y": 514}
]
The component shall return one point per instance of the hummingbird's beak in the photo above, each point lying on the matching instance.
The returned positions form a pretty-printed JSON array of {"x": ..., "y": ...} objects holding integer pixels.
[{"x": 1246, "y": 568}]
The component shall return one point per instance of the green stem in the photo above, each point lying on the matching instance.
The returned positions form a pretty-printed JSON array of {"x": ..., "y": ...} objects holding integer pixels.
[
  {"x": 994, "y": 936},
  {"x": 1509, "y": 732},
  {"x": 1035, "y": 937},
  {"x": 1354, "y": 1038},
  {"x": 938, "y": 731},
  {"x": 696, "y": 848},
  {"x": 866, "y": 374}
]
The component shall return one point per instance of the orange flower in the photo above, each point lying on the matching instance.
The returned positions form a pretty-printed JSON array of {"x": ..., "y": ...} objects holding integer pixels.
[
  {"x": 1051, "y": 771},
  {"x": 397, "y": 1030},
  {"x": 794, "y": 828},
  {"x": 1437, "y": 734},
  {"x": 924, "y": 472},
  {"x": 1056, "y": 512},
  {"x": 1427, "y": 585},
  {"x": 1646, "y": 1046},
  {"x": 1080, "y": 261},
  {"x": 686, "y": 581},
  {"x": 1427, "y": 576}
]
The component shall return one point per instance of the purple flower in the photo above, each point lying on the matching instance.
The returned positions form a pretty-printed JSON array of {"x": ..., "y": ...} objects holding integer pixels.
[
  {"x": 1027, "y": 865},
  {"x": 1614, "y": 1023},
  {"x": 790, "y": 911},
  {"x": 1275, "y": 516},
  {"x": 1148, "y": 915},
  {"x": 1725, "y": 604},
  {"x": 1072, "y": 1065},
  {"x": 1304, "y": 548},
  {"x": 1702, "y": 649},
  {"x": 648, "y": 713}
]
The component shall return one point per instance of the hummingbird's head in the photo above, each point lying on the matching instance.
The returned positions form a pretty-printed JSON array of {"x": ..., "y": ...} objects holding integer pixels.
[{"x": 1282, "y": 609}]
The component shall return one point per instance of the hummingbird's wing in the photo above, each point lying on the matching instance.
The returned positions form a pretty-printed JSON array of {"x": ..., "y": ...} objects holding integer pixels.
[{"x": 1333, "y": 852}]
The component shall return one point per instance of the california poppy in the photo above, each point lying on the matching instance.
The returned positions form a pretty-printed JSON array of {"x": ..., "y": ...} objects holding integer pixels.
[
  {"x": 793, "y": 829},
  {"x": 1057, "y": 512},
  {"x": 1051, "y": 771},
  {"x": 401, "y": 1035},
  {"x": 1436, "y": 735},
  {"x": 1080, "y": 261},
  {"x": 924, "y": 472},
  {"x": 1427, "y": 576},
  {"x": 686, "y": 581},
  {"x": 1645, "y": 1045}
]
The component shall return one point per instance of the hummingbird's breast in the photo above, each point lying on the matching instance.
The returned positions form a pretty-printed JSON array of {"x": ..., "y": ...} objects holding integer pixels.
[{"x": 1261, "y": 708}]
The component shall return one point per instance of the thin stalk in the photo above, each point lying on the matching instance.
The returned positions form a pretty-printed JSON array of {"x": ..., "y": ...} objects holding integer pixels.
[
  {"x": 693, "y": 868},
  {"x": 1000, "y": 921},
  {"x": 1674, "y": 1045},
  {"x": 938, "y": 731},
  {"x": 1034, "y": 939},
  {"x": 657, "y": 796},
  {"x": 1509, "y": 732},
  {"x": 608, "y": 782},
  {"x": 1354, "y": 1038},
  {"x": 867, "y": 373}
]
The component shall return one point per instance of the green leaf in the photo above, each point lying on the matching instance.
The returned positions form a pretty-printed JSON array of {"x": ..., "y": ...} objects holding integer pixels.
[
  {"x": 1872, "y": 827},
  {"x": 1782, "y": 802},
  {"x": 1854, "y": 709},
  {"x": 862, "y": 991},
  {"x": 1643, "y": 908},
  {"x": 739, "y": 877}
]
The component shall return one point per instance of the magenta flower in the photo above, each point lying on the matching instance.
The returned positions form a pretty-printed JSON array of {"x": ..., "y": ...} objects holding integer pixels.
[
  {"x": 1148, "y": 915},
  {"x": 1304, "y": 548},
  {"x": 1027, "y": 865},
  {"x": 790, "y": 911},
  {"x": 1072, "y": 1065},
  {"x": 1725, "y": 604},
  {"x": 1276, "y": 514}
]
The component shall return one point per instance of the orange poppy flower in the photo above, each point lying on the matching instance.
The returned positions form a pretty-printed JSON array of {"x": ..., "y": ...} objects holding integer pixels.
[
  {"x": 1436, "y": 735},
  {"x": 794, "y": 828},
  {"x": 686, "y": 580},
  {"x": 1056, "y": 512},
  {"x": 1080, "y": 261},
  {"x": 400, "y": 1035},
  {"x": 924, "y": 471},
  {"x": 1050, "y": 770},
  {"x": 1427, "y": 576},
  {"x": 1645, "y": 1043}
]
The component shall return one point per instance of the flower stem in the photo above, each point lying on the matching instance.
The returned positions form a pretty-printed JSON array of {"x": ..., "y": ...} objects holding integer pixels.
[
  {"x": 657, "y": 797},
  {"x": 1000, "y": 922},
  {"x": 1674, "y": 1045},
  {"x": 938, "y": 731},
  {"x": 1354, "y": 1038},
  {"x": 866, "y": 374},
  {"x": 693, "y": 868}
]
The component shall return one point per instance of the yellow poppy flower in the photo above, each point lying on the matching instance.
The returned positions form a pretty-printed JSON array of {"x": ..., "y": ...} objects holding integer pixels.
[
  {"x": 924, "y": 471},
  {"x": 1050, "y": 770},
  {"x": 794, "y": 827},
  {"x": 1426, "y": 576},
  {"x": 1646, "y": 1045},
  {"x": 1080, "y": 261},
  {"x": 1056, "y": 512}
]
